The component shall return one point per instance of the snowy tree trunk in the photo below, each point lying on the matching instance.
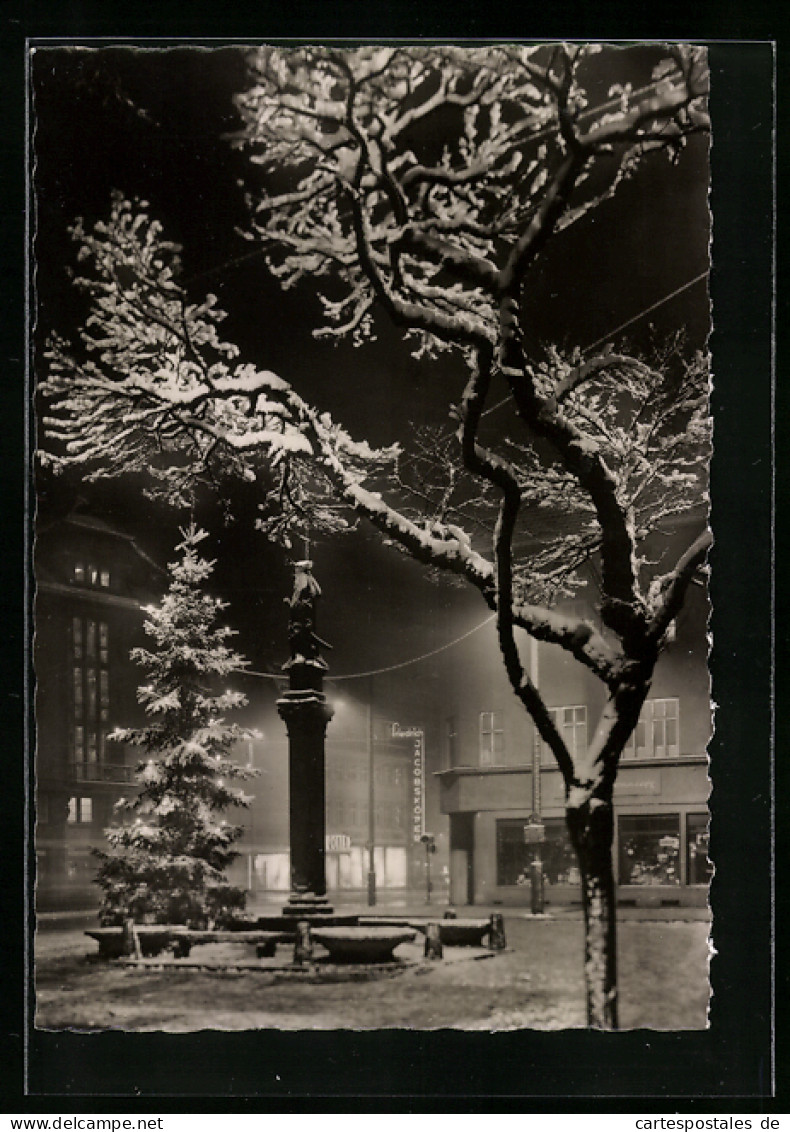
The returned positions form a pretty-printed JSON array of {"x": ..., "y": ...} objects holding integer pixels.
[{"x": 591, "y": 827}]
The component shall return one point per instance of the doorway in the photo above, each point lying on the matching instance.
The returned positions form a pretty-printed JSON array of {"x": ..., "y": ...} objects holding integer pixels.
[{"x": 462, "y": 858}]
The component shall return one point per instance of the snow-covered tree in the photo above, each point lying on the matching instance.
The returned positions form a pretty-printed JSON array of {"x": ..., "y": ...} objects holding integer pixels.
[
  {"x": 425, "y": 183},
  {"x": 167, "y": 860}
]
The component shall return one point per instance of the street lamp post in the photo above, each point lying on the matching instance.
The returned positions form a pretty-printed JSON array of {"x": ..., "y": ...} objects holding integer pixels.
[
  {"x": 536, "y": 865},
  {"x": 371, "y": 803}
]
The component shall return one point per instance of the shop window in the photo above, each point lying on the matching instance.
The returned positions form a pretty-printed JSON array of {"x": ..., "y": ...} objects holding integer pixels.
[
  {"x": 515, "y": 856},
  {"x": 699, "y": 869},
  {"x": 571, "y": 722},
  {"x": 492, "y": 738},
  {"x": 560, "y": 865},
  {"x": 512, "y": 855},
  {"x": 104, "y": 579},
  {"x": 78, "y": 574},
  {"x": 657, "y": 734},
  {"x": 649, "y": 849}
]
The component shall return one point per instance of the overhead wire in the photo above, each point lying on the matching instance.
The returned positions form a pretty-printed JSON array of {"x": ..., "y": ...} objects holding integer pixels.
[
  {"x": 387, "y": 668},
  {"x": 623, "y": 325}
]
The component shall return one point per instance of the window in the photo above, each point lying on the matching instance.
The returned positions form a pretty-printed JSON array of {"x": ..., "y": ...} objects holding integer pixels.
[
  {"x": 78, "y": 704},
  {"x": 649, "y": 849},
  {"x": 657, "y": 734},
  {"x": 512, "y": 855},
  {"x": 451, "y": 740},
  {"x": 559, "y": 858},
  {"x": 80, "y": 810},
  {"x": 571, "y": 722},
  {"x": 90, "y": 641},
  {"x": 91, "y": 686},
  {"x": 515, "y": 856},
  {"x": 699, "y": 869},
  {"x": 104, "y": 694},
  {"x": 492, "y": 738},
  {"x": 90, "y": 575}
]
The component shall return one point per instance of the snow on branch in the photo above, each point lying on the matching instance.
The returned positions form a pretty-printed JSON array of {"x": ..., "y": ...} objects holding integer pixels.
[{"x": 468, "y": 158}]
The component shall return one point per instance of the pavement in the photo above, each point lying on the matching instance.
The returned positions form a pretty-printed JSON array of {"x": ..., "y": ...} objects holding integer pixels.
[{"x": 409, "y": 906}]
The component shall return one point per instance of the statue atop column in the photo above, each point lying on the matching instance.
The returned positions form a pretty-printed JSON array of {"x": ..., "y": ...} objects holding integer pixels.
[{"x": 301, "y": 622}]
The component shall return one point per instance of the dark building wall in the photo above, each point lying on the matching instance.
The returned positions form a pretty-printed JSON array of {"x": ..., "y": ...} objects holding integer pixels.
[{"x": 91, "y": 582}]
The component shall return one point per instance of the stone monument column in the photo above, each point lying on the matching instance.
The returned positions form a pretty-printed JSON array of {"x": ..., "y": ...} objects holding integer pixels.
[{"x": 305, "y": 712}]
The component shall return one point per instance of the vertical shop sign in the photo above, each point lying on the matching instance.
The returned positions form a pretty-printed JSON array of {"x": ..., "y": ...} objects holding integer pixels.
[{"x": 417, "y": 776}]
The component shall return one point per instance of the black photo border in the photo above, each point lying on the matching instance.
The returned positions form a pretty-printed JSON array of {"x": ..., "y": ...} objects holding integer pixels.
[{"x": 734, "y": 1061}]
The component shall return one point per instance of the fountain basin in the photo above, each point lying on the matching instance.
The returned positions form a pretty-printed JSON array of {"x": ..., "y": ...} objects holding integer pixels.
[{"x": 361, "y": 944}]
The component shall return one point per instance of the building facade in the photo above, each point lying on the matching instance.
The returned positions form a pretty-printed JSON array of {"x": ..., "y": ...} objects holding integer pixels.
[
  {"x": 355, "y": 743},
  {"x": 91, "y": 584},
  {"x": 497, "y": 774}
]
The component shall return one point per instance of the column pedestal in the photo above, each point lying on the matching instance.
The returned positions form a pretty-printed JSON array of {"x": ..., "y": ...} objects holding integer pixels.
[{"x": 306, "y": 713}]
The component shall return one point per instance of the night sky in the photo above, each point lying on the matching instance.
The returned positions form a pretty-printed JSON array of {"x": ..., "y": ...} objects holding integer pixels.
[{"x": 154, "y": 124}]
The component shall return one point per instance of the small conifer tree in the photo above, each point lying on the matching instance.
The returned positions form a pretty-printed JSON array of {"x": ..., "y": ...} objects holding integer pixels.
[{"x": 166, "y": 862}]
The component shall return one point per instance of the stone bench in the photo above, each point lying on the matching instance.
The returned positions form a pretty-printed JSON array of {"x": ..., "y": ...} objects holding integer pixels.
[
  {"x": 458, "y": 932},
  {"x": 155, "y": 938}
]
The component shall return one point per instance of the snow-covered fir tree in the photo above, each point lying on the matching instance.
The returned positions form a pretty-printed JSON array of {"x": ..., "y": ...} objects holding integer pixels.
[{"x": 166, "y": 862}]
